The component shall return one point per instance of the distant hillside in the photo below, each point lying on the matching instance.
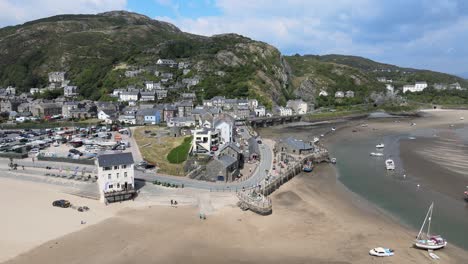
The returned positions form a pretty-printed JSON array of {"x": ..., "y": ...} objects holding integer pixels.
[{"x": 310, "y": 74}]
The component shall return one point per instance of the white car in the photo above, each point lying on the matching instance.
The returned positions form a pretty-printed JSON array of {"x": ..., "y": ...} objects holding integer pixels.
[
  {"x": 381, "y": 252},
  {"x": 34, "y": 151}
]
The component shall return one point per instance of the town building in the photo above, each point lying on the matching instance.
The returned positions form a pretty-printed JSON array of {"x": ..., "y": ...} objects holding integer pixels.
[
  {"x": 132, "y": 95},
  {"x": 295, "y": 146},
  {"x": 455, "y": 86},
  {"x": 147, "y": 96},
  {"x": 225, "y": 124},
  {"x": 161, "y": 94},
  {"x": 116, "y": 180},
  {"x": 323, "y": 93},
  {"x": 260, "y": 111},
  {"x": 420, "y": 86},
  {"x": 205, "y": 140},
  {"x": 56, "y": 77},
  {"x": 390, "y": 88},
  {"x": 183, "y": 121},
  {"x": 46, "y": 109},
  {"x": 339, "y": 94},
  {"x": 283, "y": 111},
  {"x": 298, "y": 106},
  {"x": 349, "y": 94},
  {"x": 108, "y": 116},
  {"x": 166, "y": 62},
  {"x": 70, "y": 91},
  {"x": 151, "y": 116}
]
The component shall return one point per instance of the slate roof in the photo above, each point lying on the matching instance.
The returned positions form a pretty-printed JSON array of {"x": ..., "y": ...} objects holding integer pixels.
[
  {"x": 227, "y": 160},
  {"x": 297, "y": 144},
  {"x": 233, "y": 146},
  {"x": 108, "y": 160}
]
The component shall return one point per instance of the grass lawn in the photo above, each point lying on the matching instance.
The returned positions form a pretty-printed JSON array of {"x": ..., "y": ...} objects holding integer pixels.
[
  {"x": 179, "y": 154},
  {"x": 155, "y": 149}
]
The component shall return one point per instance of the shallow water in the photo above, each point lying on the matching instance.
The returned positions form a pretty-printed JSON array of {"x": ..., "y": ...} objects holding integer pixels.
[{"x": 398, "y": 195}]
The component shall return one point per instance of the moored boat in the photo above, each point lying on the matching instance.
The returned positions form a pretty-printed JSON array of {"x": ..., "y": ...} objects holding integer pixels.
[
  {"x": 308, "y": 167},
  {"x": 390, "y": 164},
  {"x": 466, "y": 194},
  {"x": 376, "y": 154},
  {"x": 426, "y": 240},
  {"x": 381, "y": 252},
  {"x": 381, "y": 145}
]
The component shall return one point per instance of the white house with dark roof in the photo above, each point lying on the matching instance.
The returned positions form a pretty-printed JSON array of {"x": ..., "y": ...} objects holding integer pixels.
[{"x": 115, "y": 172}]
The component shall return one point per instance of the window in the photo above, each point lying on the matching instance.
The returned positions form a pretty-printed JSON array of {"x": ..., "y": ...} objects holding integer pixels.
[
  {"x": 118, "y": 185},
  {"x": 111, "y": 186},
  {"x": 116, "y": 167},
  {"x": 124, "y": 166},
  {"x": 117, "y": 175},
  {"x": 109, "y": 176},
  {"x": 125, "y": 174},
  {"x": 107, "y": 168}
]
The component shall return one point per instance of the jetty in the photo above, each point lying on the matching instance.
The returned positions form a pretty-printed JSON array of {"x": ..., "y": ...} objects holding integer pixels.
[{"x": 257, "y": 200}]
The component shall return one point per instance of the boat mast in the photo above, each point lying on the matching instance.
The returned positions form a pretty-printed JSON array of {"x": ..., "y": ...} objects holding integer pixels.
[
  {"x": 430, "y": 217},
  {"x": 424, "y": 223}
]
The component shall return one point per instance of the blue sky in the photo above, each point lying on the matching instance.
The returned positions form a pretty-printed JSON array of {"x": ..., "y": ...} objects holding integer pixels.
[{"x": 429, "y": 34}]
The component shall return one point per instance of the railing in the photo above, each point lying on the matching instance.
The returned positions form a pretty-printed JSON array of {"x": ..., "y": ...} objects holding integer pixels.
[{"x": 121, "y": 192}]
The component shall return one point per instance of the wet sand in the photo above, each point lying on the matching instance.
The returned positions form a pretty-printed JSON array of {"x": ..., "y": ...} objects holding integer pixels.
[{"x": 314, "y": 220}]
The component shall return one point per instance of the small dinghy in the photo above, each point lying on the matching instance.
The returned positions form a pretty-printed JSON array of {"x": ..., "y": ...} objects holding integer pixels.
[
  {"x": 390, "y": 164},
  {"x": 381, "y": 252},
  {"x": 379, "y": 146},
  {"x": 376, "y": 154}
]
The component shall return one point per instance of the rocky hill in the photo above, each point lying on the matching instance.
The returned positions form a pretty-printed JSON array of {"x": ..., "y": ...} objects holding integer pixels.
[
  {"x": 92, "y": 48},
  {"x": 96, "y": 50}
]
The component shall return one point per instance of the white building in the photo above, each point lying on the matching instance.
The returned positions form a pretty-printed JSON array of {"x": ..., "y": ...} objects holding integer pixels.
[
  {"x": 56, "y": 77},
  {"x": 70, "y": 91},
  {"x": 298, "y": 106},
  {"x": 349, "y": 94},
  {"x": 128, "y": 96},
  {"x": 390, "y": 88},
  {"x": 420, "y": 86},
  {"x": 408, "y": 88},
  {"x": 161, "y": 94},
  {"x": 165, "y": 62},
  {"x": 323, "y": 93},
  {"x": 205, "y": 140},
  {"x": 253, "y": 103},
  {"x": 225, "y": 125},
  {"x": 107, "y": 116},
  {"x": 181, "y": 121},
  {"x": 260, "y": 111},
  {"x": 115, "y": 174},
  {"x": 34, "y": 91},
  {"x": 283, "y": 111},
  {"x": 339, "y": 94}
]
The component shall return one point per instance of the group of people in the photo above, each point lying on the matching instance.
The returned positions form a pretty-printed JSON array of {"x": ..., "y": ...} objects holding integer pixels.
[{"x": 173, "y": 203}]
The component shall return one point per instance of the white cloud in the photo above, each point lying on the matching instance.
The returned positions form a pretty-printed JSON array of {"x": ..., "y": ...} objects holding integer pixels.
[
  {"x": 416, "y": 33},
  {"x": 20, "y": 11}
]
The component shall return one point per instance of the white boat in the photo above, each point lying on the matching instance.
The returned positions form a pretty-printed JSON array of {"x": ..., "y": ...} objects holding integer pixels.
[
  {"x": 381, "y": 252},
  {"x": 462, "y": 118},
  {"x": 316, "y": 140},
  {"x": 381, "y": 145},
  {"x": 333, "y": 128},
  {"x": 376, "y": 154},
  {"x": 333, "y": 160},
  {"x": 390, "y": 164},
  {"x": 426, "y": 240}
]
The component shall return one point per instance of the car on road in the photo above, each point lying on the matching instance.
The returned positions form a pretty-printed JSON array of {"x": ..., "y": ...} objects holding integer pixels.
[
  {"x": 61, "y": 203},
  {"x": 259, "y": 141},
  {"x": 145, "y": 165}
]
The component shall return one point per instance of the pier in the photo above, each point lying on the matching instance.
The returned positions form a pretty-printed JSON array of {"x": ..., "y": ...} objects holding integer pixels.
[{"x": 257, "y": 199}]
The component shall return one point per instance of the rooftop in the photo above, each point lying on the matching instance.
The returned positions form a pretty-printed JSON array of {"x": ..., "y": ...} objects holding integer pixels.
[{"x": 113, "y": 159}]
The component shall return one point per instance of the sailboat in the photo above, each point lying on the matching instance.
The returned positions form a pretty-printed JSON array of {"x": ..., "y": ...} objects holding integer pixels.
[{"x": 426, "y": 240}]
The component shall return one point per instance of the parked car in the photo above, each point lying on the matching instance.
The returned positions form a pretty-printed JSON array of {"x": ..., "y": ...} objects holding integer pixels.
[
  {"x": 76, "y": 152},
  {"x": 145, "y": 165},
  {"x": 34, "y": 151},
  {"x": 61, "y": 203}
]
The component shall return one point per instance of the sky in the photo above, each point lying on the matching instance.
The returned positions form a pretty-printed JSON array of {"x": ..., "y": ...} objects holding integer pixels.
[{"x": 424, "y": 34}]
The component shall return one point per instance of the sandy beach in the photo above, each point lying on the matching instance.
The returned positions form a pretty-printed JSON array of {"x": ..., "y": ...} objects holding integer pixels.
[{"x": 315, "y": 220}]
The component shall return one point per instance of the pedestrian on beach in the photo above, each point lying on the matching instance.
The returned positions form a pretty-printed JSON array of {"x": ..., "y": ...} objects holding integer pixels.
[
  {"x": 33, "y": 160},
  {"x": 172, "y": 202},
  {"x": 200, "y": 214},
  {"x": 23, "y": 167}
]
